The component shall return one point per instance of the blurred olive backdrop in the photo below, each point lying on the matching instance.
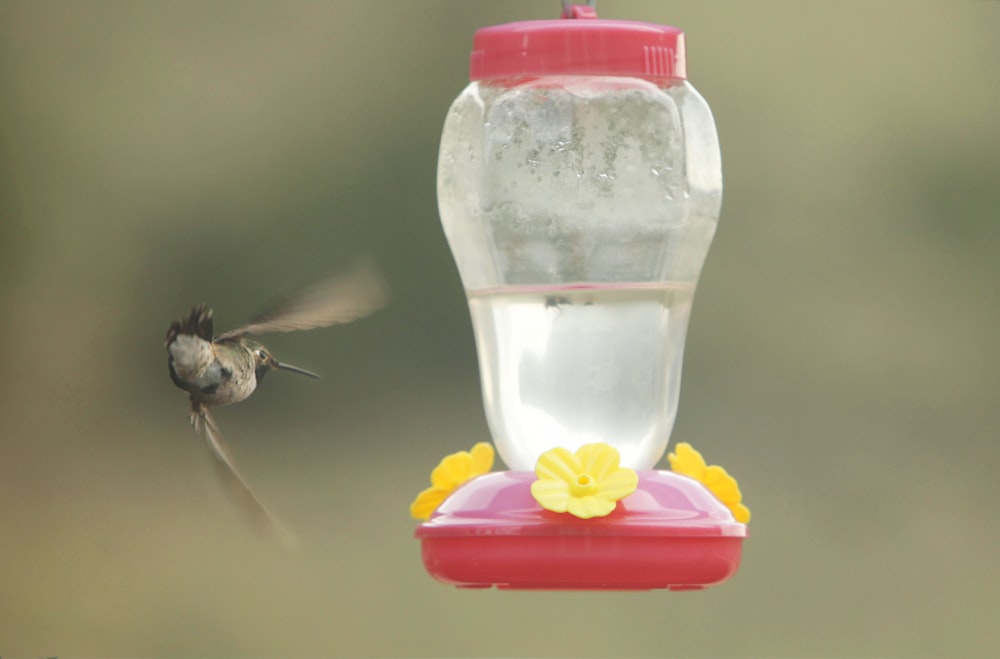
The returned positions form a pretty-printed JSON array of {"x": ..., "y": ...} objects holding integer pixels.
[{"x": 842, "y": 359}]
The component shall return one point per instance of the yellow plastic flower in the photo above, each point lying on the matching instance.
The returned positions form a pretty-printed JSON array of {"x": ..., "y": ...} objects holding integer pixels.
[
  {"x": 689, "y": 462},
  {"x": 452, "y": 471},
  {"x": 587, "y": 484}
]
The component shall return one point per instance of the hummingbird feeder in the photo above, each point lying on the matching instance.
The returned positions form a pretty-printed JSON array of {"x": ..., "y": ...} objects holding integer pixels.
[{"x": 579, "y": 186}]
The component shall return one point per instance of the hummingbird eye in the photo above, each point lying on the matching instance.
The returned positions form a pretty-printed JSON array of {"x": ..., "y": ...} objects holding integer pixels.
[{"x": 262, "y": 355}]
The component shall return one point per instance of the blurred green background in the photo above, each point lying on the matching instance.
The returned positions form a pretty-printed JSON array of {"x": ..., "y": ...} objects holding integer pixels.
[{"x": 842, "y": 359}]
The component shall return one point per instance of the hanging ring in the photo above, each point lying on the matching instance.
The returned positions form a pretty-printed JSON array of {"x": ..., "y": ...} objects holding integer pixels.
[{"x": 567, "y": 7}]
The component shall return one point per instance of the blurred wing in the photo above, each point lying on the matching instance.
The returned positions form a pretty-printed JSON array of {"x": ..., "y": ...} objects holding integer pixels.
[
  {"x": 235, "y": 486},
  {"x": 350, "y": 296}
]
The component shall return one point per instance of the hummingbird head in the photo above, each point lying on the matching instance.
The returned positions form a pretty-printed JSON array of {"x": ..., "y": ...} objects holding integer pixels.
[{"x": 264, "y": 361}]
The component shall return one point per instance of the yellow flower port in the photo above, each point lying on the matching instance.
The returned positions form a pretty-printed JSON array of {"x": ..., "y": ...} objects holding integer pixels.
[
  {"x": 688, "y": 462},
  {"x": 452, "y": 471},
  {"x": 586, "y": 484}
]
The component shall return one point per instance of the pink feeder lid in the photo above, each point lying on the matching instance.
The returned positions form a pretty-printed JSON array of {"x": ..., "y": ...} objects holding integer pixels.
[
  {"x": 664, "y": 504},
  {"x": 582, "y": 45}
]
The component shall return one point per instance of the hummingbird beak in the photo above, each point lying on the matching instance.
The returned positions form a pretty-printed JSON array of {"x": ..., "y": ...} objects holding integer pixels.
[{"x": 294, "y": 369}]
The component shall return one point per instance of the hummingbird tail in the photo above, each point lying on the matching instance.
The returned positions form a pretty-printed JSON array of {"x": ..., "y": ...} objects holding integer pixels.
[{"x": 197, "y": 323}]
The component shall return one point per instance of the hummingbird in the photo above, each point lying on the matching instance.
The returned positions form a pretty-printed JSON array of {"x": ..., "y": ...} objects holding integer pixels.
[{"x": 223, "y": 369}]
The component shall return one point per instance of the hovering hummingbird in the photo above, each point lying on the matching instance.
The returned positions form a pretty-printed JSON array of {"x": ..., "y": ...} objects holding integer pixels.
[{"x": 225, "y": 369}]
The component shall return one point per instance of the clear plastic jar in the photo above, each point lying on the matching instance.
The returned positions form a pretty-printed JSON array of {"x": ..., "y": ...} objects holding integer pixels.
[{"x": 579, "y": 201}]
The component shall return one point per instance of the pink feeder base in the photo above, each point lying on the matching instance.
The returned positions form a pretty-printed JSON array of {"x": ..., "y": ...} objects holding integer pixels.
[{"x": 670, "y": 533}]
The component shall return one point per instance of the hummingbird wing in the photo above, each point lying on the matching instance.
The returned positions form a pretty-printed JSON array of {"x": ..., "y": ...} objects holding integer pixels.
[
  {"x": 355, "y": 294},
  {"x": 229, "y": 475}
]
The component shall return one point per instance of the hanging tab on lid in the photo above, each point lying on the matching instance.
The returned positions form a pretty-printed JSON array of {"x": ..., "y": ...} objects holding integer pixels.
[{"x": 573, "y": 10}]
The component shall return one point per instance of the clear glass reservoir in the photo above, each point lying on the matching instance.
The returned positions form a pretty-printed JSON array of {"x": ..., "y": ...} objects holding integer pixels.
[{"x": 579, "y": 209}]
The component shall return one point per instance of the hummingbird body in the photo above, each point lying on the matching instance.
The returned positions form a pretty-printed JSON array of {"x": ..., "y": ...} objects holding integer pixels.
[
  {"x": 215, "y": 372},
  {"x": 225, "y": 369}
]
